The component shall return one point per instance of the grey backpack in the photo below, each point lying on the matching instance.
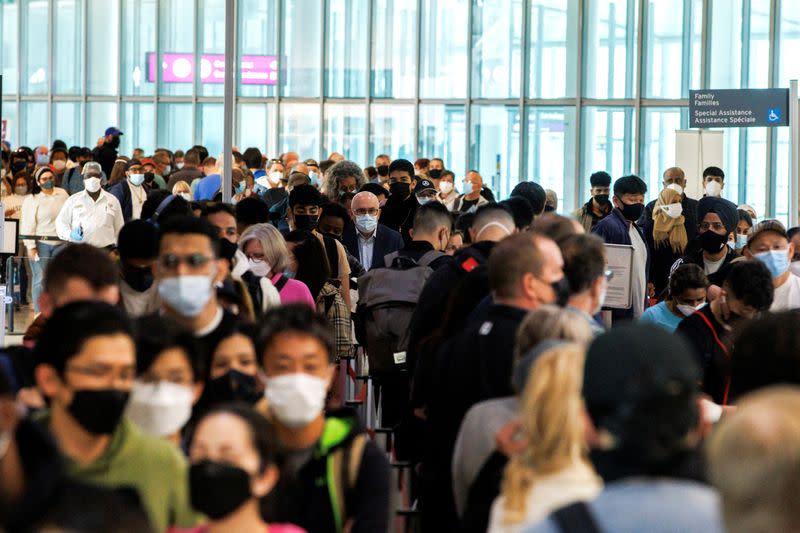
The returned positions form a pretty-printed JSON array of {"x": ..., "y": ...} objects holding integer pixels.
[{"x": 386, "y": 300}]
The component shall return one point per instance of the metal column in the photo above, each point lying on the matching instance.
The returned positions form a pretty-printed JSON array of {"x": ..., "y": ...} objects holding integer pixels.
[{"x": 230, "y": 77}]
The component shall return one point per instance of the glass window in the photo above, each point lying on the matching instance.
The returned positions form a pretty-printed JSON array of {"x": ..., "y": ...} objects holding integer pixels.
[
  {"x": 67, "y": 122},
  {"x": 138, "y": 43},
  {"x": 34, "y": 124},
  {"x": 257, "y": 37},
  {"x": 607, "y": 142},
  {"x": 734, "y": 143},
  {"x": 755, "y": 178},
  {"x": 302, "y": 35},
  {"x": 138, "y": 122},
  {"x": 550, "y": 158},
  {"x": 496, "y": 48},
  {"x": 256, "y": 123},
  {"x": 610, "y": 49},
  {"x": 725, "y": 63},
  {"x": 443, "y": 68},
  {"x": 789, "y": 41},
  {"x": 345, "y": 128},
  {"x": 175, "y": 126},
  {"x": 494, "y": 147},
  {"x": 782, "y": 177},
  {"x": 443, "y": 133},
  {"x": 553, "y": 48},
  {"x": 658, "y": 145},
  {"x": 672, "y": 40},
  {"x": 10, "y": 46},
  {"x": 103, "y": 43},
  {"x": 210, "y": 118},
  {"x": 758, "y": 66},
  {"x": 10, "y": 116},
  {"x": 211, "y": 39},
  {"x": 394, "y": 59},
  {"x": 101, "y": 115},
  {"x": 35, "y": 70},
  {"x": 68, "y": 48},
  {"x": 391, "y": 131},
  {"x": 300, "y": 129},
  {"x": 176, "y": 47},
  {"x": 346, "y": 51}
]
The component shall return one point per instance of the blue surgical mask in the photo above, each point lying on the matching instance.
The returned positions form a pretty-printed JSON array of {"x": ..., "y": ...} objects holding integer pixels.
[
  {"x": 741, "y": 241},
  {"x": 366, "y": 223},
  {"x": 241, "y": 186},
  {"x": 424, "y": 199},
  {"x": 314, "y": 177},
  {"x": 289, "y": 274},
  {"x": 187, "y": 295},
  {"x": 137, "y": 179},
  {"x": 42, "y": 160},
  {"x": 777, "y": 261}
]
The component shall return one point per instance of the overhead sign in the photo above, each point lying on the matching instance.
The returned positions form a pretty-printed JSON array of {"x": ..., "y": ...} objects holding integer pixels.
[
  {"x": 739, "y": 108},
  {"x": 180, "y": 68}
]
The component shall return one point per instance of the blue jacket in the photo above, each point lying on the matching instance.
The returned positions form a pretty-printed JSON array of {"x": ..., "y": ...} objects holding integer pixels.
[
  {"x": 208, "y": 187},
  {"x": 122, "y": 192},
  {"x": 614, "y": 229},
  {"x": 386, "y": 241}
]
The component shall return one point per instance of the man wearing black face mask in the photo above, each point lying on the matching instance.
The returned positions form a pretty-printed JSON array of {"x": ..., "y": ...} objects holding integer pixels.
[
  {"x": 86, "y": 367},
  {"x": 718, "y": 219},
  {"x": 138, "y": 249},
  {"x": 303, "y": 214},
  {"x": 106, "y": 152},
  {"x": 525, "y": 272},
  {"x": 620, "y": 228},
  {"x": 435, "y": 169},
  {"x": 598, "y": 207},
  {"x": 399, "y": 208},
  {"x": 382, "y": 163}
]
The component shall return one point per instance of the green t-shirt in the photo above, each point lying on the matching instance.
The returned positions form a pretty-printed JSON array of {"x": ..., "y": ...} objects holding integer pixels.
[{"x": 154, "y": 467}]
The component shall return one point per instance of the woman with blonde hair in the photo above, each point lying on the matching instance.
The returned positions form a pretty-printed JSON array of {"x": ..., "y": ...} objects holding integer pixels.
[
  {"x": 477, "y": 461},
  {"x": 666, "y": 236},
  {"x": 552, "y": 470},
  {"x": 183, "y": 190}
]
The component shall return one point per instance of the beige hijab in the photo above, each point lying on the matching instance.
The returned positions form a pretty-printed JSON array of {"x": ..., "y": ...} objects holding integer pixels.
[{"x": 667, "y": 229}]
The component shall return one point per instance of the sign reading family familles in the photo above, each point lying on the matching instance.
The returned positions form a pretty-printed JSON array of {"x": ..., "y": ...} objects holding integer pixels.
[{"x": 739, "y": 108}]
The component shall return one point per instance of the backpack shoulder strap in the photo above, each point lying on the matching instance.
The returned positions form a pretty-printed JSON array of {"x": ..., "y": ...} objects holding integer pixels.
[
  {"x": 430, "y": 257},
  {"x": 388, "y": 259},
  {"x": 344, "y": 465},
  {"x": 281, "y": 283},
  {"x": 576, "y": 518}
]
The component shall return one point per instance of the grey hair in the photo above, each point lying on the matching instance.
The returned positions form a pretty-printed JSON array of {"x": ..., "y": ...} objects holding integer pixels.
[
  {"x": 340, "y": 171},
  {"x": 272, "y": 242}
]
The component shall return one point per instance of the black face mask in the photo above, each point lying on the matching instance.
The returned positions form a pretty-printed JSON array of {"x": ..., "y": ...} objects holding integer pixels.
[
  {"x": 561, "y": 288},
  {"x": 332, "y": 236},
  {"x": 632, "y": 212},
  {"x": 383, "y": 170},
  {"x": 18, "y": 165},
  {"x": 305, "y": 222},
  {"x": 435, "y": 174},
  {"x": 549, "y": 209},
  {"x": 138, "y": 278},
  {"x": 98, "y": 411},
  {"x": 712, "y": 242},
  {"x": 218, "y": 489},
  {"x": 114, "y": 141},
  {"x": 400, "y": 189},
  {"x": 149, "y": 177},
  {"x": 601, "y": 199},
  {"x": 232, "y": 387}
]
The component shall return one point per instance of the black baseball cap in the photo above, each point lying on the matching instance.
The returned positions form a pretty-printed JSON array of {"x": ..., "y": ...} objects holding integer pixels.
[{"x": 424, "y": 185}]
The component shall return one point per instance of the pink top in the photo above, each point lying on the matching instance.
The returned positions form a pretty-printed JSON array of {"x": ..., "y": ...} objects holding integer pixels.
[
  {"x": 295, "y": 292},
  {"x": 272, "y": 528}
]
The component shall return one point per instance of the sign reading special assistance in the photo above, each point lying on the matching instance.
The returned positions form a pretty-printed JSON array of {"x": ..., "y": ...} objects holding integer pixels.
[{"x": 739, "y": 108}]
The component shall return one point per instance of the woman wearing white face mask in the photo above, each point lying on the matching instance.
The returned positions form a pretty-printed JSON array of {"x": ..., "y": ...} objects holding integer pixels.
[
  {"x": 169, "y": 378},
  {"x": 447, "y": 189},
  {"x": 666, "y": 237},
  {"x": 688, "y": 289},
  {"x": 268, "y": 257}
]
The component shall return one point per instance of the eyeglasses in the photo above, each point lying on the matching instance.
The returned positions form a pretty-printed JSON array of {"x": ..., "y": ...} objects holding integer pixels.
[
  {"x": 171, "y": 262},
  {"x": 256, "y": 258},
  {"x": 372, "y": 211},
  {"x": 716, "y": 226}
]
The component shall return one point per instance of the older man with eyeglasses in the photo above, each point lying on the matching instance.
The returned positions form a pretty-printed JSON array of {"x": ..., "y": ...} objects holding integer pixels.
[{"x": 368, "y": 240}]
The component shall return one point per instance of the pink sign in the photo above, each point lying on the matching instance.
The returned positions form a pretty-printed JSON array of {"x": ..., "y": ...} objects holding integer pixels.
[{"x": 180, "y": 68}]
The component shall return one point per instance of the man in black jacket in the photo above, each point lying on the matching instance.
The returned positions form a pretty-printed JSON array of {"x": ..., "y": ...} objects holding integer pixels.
[
  {"x": 525, "y": 272},
  {"x": 106, "y": 153},
  {"x": 402, "y": 202}
]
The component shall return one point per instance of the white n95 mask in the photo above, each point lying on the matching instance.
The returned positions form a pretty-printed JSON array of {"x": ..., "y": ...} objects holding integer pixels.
[
  {"x": 161, "y": 408},
  {"x": 296, "y": 399}
]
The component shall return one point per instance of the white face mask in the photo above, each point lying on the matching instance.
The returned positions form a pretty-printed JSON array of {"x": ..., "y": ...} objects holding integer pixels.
[
  {"x": 713, "y": 188},
  {"x": 161, "y": 408},
  {"x": 91, "y": 184},
  {"x": 274, "y": 177},
  {"x": 259, "y": 268},
  {"x": 186, "y": 196},
  {"x": 673, "y": 210},
  {"x": 59, "y": 164},
  {"x": 179, "y": 165},
  {"x": 296, "y": 400},
  {"x": 688, "y": 310},
  {"x": 675, "y": 187},
  {"x": 446, "y": 187}
]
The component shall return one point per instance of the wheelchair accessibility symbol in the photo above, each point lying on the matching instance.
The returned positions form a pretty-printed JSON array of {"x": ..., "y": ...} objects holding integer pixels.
[{"x": 774, "y": 115}]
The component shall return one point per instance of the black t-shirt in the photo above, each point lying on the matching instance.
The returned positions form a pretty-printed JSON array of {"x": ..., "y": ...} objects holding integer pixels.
[{"x": 466, "y": 205}]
